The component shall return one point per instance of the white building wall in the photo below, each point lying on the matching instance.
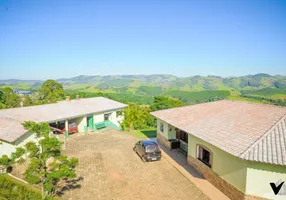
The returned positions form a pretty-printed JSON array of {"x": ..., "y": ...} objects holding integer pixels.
[
  {"x": 98, "y": 117},
  {"x": 115, "y": 119},
  {"x": 165, "y": 128},
  {"x": 9, "y": 148},
  {"x": 6, "y": 148},
  {"x": 81, "y": 123}
]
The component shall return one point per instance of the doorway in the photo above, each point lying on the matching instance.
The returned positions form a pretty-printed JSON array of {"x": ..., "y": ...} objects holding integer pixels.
[{"x": 182, "y": 136}]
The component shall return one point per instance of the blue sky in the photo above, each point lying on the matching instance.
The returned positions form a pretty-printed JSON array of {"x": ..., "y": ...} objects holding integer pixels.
[{"x": 60, "y": 39}]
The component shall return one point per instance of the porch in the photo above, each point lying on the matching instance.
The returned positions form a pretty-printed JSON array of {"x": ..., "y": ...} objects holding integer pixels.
[{"x": 172, "y": 137}]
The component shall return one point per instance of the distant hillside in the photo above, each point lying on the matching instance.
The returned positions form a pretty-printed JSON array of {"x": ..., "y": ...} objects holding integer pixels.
[{"x": 157, "y": 83}]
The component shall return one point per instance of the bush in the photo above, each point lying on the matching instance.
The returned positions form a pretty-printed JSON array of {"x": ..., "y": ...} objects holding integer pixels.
[{"x": 13, "y": 189}]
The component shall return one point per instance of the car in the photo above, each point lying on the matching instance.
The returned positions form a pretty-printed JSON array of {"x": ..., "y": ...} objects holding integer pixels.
[{"x": 148, "y": 150}]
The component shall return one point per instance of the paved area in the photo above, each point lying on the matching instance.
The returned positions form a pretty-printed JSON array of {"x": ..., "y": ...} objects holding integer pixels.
[{"x": 112, "y": 171}]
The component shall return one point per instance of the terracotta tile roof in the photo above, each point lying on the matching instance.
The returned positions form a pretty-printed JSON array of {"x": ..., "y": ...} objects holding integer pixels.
[
  {"x": 249, "y": 131},
  {"x": 50, "y": 113}
]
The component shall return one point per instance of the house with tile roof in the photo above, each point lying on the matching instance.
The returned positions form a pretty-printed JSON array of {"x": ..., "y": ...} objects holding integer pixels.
[
  {"x": 87, "y": 114},
  {"x": 239, "y": 147}
]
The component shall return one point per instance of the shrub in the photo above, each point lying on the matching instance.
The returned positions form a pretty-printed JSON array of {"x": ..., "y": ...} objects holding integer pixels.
[{"x": 11, "y": 189}]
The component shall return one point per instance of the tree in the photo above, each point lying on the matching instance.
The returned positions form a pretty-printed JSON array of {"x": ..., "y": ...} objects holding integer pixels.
[
  {"x": 2, "y": 105},
  {"x": 135, "y": 117},
  {"x": 7, "y": 90},
  {"x": 47, "y": 166},
  {"x": 8, "y": 99},
  {"x": 28, "y": 101},
  {"x": 51, "y": 90},
  {"x": 12, "y": 100},
  {"x": 6, "y": 161},
  {"x": 161, "y": 103}
]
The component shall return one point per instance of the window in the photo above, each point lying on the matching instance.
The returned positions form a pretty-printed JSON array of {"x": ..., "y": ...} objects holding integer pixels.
[
  {"x": 119, "y": 113},
  {"x": 106, "y": 116},
  {"x": 204, "y": 155},
  {"x": 161, "y": 127}
]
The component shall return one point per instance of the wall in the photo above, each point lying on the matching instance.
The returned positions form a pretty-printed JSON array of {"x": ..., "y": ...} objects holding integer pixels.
[
  {"x": 259, "y": 176},
  {"x": 228, "y": 167},
  {"x": 81, "y": 123},
  {"x": 116, "y": 120},
  {"x": 8, "y": 148},
  {"x": 98, "y": 117},
  {"x": 169, "y": 131}
]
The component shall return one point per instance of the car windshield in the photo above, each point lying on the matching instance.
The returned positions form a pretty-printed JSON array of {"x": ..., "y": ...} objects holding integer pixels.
[{"x": 151, "y": 148}]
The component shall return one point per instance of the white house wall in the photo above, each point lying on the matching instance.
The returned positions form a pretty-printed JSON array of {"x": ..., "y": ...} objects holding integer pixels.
[
  {"x": 9, "y": 148},
  {"x": 99, "y": 117},
  {"x": 81, "y": 123}
]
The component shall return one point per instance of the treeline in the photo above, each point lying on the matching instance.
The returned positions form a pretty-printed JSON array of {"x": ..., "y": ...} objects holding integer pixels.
[
  {"x": 50, "y": 92},
  {"x": 121, "y": 97},
  {"x": 277, "y": 102},
  {"x": 11, "y": 189},
  {"x": 187, "y": 97},
  {"x": 139, "y": 117},
  {"x": 198, "y": 97},
  {"x": 264, "y": 92}
]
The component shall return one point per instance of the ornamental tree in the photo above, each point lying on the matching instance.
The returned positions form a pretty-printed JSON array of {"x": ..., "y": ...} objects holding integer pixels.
[{"x": 47, "y": 167}]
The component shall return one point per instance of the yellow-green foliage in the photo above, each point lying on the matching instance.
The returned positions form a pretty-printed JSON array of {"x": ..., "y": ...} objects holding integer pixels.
[{"x": 12, "y": 189}]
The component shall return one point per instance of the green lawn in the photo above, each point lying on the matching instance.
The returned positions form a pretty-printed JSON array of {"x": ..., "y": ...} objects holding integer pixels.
[
  {"x": 145, "y": 133},
  {"x": 11, "y": 188},
  {"x": 239, "y": 98}
]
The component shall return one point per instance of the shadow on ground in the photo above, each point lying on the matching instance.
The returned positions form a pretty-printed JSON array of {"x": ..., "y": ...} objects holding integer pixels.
[
  {"x": 181, "y": 159},
  {"x": 70, "y": 185}
]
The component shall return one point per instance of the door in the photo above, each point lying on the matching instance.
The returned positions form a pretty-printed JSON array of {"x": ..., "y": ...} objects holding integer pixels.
[
  {"x": 90, "y": 121},
  {"x": 140, "y": 149}
]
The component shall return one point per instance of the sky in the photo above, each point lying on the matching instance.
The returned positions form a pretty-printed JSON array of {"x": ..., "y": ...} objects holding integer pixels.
[{"x": 61, "y": 39}]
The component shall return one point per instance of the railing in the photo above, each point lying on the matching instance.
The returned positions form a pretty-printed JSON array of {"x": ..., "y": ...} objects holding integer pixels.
[{"x": 184, "y": 147}]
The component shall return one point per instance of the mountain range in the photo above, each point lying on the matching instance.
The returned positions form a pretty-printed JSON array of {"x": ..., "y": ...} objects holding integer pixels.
[{"x": 192, "y": 83}]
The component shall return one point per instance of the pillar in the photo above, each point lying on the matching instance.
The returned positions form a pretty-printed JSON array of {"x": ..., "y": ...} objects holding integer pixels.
[{"x": 67, "y": 128}]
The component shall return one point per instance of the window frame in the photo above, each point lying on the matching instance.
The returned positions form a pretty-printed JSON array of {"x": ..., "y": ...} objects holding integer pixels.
[{"x": 210, "y": 163}]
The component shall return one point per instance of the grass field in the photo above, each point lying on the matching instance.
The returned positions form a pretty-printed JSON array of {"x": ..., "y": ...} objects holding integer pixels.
[
  {"x": 11, "y": 188},
  {"x": 239, "y": 98},
  {"x": 145, "y": 133}
]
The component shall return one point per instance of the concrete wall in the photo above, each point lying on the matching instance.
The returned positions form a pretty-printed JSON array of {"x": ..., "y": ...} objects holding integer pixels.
[
  {"x": 98, "y": 117},
  {"x": 116, "y": 120},
  {"x": 228, "y": 167},
  {"x": 168, "y": 132},
  {"x": 81, "y": 123},
  {"x": 9, "y": 148},
  {"x": 259, "y": 175}
]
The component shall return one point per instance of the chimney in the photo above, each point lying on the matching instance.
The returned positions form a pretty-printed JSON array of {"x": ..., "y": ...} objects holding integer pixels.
[
  {"x": 67, "y": 98},
  {"x": 77, "y": 97}
]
